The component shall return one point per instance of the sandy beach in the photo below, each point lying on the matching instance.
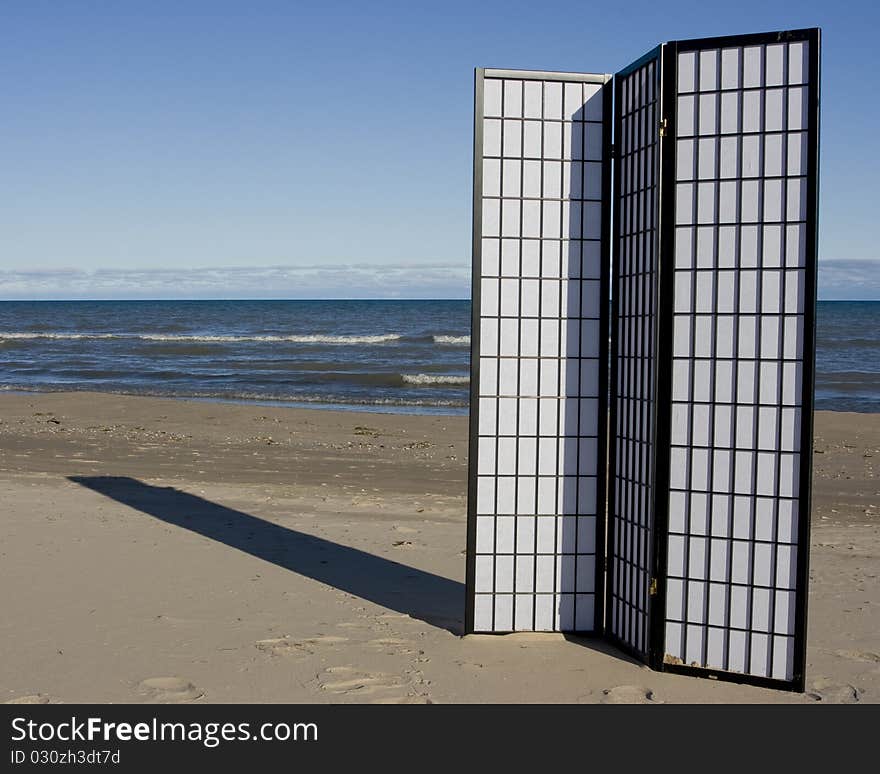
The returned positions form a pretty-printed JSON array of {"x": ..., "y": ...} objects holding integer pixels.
[{"x": 158, "y": 550}]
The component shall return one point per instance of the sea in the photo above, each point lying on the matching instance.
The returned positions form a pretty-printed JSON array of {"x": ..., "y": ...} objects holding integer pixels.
[{"x": 389, "y": 356}]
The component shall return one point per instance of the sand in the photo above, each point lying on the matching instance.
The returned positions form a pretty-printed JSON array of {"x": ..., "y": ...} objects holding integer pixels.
[{"x": 177, "y": 551}]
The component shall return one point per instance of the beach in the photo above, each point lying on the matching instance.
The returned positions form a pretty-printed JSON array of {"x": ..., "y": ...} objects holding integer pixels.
[{"x": 162, "y": 550}]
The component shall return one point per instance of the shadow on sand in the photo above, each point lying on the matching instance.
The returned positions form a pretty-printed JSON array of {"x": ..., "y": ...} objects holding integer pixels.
[{"x": 431, "y": 598}]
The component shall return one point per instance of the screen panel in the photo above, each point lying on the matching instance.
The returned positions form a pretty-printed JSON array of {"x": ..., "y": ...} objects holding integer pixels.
[
  {"x": 537, "y": 451},
  {"x": 742, "y": 309},
  {"x": 633, "y": 363}
]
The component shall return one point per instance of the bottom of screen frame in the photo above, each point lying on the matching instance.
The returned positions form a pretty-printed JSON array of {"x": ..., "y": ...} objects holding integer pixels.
[
  {"x": 796, "y": 685},
  {"x": 591, "y": 634}
]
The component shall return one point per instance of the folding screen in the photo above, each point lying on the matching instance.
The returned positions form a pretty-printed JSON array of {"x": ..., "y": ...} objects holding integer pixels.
[
  {"x": 712, "y": 347},
  {"x": 539, "y": 345}
]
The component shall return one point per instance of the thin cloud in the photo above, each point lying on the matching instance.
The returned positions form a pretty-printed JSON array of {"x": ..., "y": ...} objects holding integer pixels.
[
  {"x": 318, "y": 281},
  {"x": 849, "y": 279}
]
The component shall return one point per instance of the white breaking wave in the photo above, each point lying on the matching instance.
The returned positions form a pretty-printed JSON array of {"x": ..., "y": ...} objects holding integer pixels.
[
  {"x": 316, "y": 338},
  {"x": 454, "y": 340},
  {"x": 434, "y": 379},
  {"x": 59, "y": 335}
]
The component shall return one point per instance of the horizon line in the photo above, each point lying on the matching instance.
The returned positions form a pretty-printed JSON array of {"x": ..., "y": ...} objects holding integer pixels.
[
  {"x": 240, "y": 298},
  {"x": 237, "y": 298}
]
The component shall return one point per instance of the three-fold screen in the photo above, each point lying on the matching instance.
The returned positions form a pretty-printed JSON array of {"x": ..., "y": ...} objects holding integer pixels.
[
  {"x": 538, "y": 383},
  {"x": 737, "y": 379},
  {"x": 711, "y": 358}
]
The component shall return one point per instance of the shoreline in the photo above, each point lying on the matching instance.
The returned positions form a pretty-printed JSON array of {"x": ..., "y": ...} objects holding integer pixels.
[
  {"x": 404, "y": 409},
  {"x": 172, "y": 550},
  {"x": 367, "y": 408}
]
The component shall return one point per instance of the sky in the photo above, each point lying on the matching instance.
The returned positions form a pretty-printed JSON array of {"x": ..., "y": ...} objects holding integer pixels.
[{"x": 267, "y": 149}]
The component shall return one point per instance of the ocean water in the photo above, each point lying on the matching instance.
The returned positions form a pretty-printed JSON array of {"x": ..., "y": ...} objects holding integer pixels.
[
  {"x": 368, "y": 355},
  {"x": 404, "y": 356},
  {"x": 848, "y": 356}
]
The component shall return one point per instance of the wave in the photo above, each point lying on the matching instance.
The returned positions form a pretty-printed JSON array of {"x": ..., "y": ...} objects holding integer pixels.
[
  {"x": 313, "y": 338},
  {"x": 35, "y": 335},
  {"x": 344, "y": 379},
  {"x": 305, "y": 338},
  {"x": 335, "y": 399},
  {"x": 429, "y": 379},
  {"x": 377, "y": 378},
  {"x": 455, "y": 341}
]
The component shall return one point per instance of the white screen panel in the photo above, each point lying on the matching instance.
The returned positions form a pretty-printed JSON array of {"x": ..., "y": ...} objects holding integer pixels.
[
  {"x": 633, "y": 365},
  {"x": 737, "y": 375},
  {"x": 537, "y": 450}
]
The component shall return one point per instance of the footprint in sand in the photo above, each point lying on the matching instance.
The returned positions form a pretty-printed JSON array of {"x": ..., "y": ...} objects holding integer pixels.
[
  {"x": 33, "y": 698},
  {"x": 169, "y": 690},
  {"x": 829, "y": 692},
  {"x": 629, "y": 694},
  {"x": 859, "y": 655},
  {"x": 373, "y": 687},
  {"x": 285, "y": 646},
  {"x": 391, "y": 645}
]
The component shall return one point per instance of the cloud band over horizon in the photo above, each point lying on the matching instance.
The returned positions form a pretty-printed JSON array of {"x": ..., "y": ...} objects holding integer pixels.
[
  {"x": 355, "y": 281},
  {"x": 843, "y": 279}
]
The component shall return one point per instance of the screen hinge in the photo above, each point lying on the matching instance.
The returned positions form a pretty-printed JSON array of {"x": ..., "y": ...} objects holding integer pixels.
[
  {"x": 652, "y": 589},
  {"x": 663, "y": 126}
]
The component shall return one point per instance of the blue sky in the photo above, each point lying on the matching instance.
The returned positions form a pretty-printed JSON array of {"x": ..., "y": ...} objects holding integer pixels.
[{"x": 265, "y": 149}]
